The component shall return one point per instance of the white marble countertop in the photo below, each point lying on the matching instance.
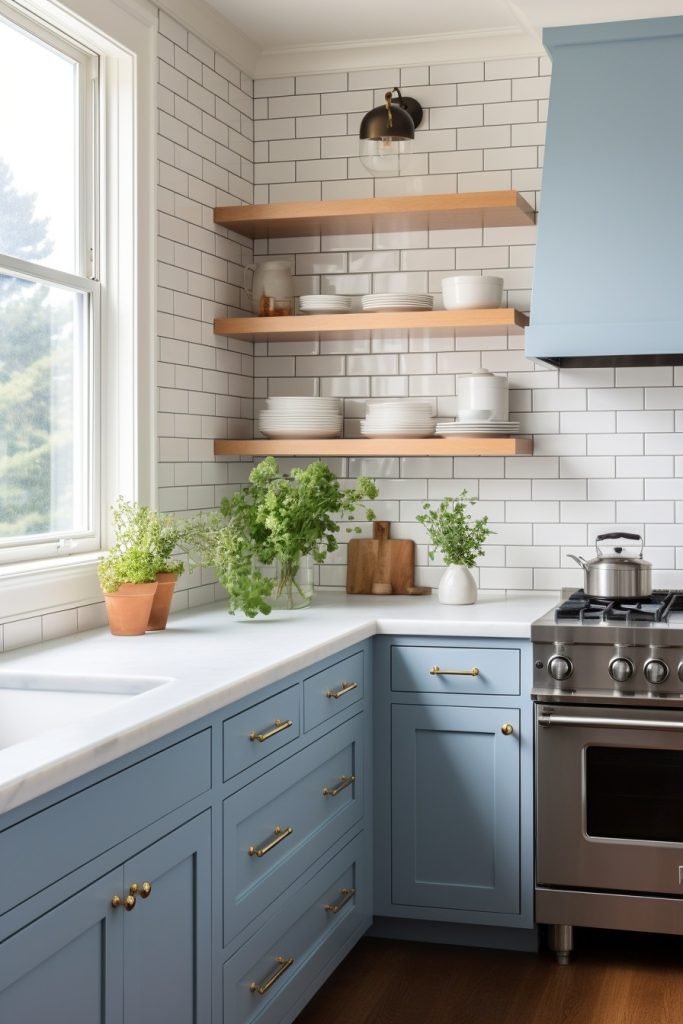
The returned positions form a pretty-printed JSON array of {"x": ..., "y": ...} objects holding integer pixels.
[{"x": 213, "y": 659}]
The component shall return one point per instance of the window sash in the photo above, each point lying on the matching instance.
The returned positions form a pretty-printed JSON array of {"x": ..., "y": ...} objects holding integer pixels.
[{"x": 54, "y": 545}]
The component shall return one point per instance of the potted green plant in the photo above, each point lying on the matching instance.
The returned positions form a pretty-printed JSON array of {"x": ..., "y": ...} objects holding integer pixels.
[
  {"x": 278, "y": 520},
  {"x": 460, "y": 539},
  {"x": 139, "y": 573}
]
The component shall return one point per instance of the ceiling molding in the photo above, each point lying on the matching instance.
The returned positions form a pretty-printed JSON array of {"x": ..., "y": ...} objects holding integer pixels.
[
  {"x": 398, "y": 51},
  {"x": 215, "y": 30}
]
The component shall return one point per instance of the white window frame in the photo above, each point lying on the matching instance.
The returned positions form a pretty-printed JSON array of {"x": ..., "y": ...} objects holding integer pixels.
[{"x": 123, "y": 35}]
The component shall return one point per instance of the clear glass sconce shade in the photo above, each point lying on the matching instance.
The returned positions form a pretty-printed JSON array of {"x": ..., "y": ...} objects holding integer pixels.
[{"x": 382, "y": 157}]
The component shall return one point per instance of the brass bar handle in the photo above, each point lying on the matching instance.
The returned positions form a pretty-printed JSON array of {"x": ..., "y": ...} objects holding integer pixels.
[
  {"x": 127, "y": 904},
  {"x": 260, "y": 990},
  {"x": 279, "y": 726},
  {"x": 143, "y": 891},
  {"x": 279, "y": 833},
  {"x": 436, "y": 671},
  {"x": 344, "y": 688},
  {"x": 344, "y": 782},
  {"x": 346, "y": 895},
  {"x": 507, "y": 729}
]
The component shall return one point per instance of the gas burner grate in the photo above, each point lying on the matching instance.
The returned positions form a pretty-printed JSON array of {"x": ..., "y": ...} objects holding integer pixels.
[{"x": 655, "y": 608}]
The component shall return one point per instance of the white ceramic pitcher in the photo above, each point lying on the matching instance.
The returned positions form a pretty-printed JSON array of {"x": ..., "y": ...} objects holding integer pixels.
[{"x": 270, "y": 288}]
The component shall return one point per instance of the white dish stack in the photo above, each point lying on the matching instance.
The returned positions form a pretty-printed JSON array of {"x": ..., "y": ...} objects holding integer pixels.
[
  {"x": 325, "y": 303},
  {"x": 301, "y": 417},
  {"x": 409, "y": 417},
  {"x": 387, "y": 302},
  {"x": 483, "y": 407}
]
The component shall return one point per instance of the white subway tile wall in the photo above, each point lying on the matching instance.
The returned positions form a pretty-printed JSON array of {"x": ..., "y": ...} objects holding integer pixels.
[{"x": 606, "y": 441}]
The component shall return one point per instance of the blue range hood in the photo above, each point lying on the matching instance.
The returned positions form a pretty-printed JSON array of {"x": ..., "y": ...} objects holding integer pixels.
[{"x": 608, "y": 285}]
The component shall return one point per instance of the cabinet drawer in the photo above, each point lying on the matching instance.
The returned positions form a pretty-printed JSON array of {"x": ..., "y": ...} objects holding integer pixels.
[
  {"x": 49, "y": 845},
  {"x": 301, "y": 938},
  {"x": 261, "y": 729},
  {"x": 277, "y": 826},
  {"x": 333, "y": 690},
  {"x": 470, "y": 670}
]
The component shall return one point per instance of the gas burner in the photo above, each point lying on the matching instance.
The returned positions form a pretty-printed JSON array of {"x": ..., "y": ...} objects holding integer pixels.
[{"x": 579, "y": 607}]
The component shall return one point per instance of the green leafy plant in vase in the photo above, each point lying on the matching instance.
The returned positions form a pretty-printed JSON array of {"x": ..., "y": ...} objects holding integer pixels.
[
  {"x": 139, "y": 573},
  {"x": 278, "y": 520},
  {"x": 460, "y": 539}
]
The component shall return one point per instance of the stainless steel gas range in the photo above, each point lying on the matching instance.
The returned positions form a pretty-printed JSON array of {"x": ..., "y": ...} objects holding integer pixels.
[{"x": 608, "y": 687}]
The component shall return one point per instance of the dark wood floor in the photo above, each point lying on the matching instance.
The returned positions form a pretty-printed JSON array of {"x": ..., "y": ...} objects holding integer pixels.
[{"x": 614, "y": 978}]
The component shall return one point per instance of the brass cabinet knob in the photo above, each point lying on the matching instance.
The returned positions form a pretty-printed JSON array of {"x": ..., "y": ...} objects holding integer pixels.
[
  {"x": 507, "y": 729},
  {"x": 145, "y": 890},
  {"x": 127, "y": 904}
]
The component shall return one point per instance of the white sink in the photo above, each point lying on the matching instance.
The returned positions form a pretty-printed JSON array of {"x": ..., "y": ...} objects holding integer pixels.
[{"x": 33, "y": 703}]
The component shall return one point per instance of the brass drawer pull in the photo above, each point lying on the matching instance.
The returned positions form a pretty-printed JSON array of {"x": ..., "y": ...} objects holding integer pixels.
[
  {"x": 436, "y": 671},
  {"x": 346, "y": 780},
  {"x": 127, "y": 904},
  {"x": 507, "y": 729},
  {"x": 346, "y": 895},
  {"x": 344, "y": 688},
  {"x": 279, "y": 833},
  {"x": 260, "y": 990},
  {"x": 279, "y": 726}
]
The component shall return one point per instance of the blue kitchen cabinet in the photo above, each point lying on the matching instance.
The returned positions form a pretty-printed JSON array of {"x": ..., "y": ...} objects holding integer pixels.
[
  {"x": 455, "y": 808},
  {"x": 87, "y": 961}
]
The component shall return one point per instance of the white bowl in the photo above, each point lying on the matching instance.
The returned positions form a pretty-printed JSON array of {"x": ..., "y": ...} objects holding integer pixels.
[
  {"x": 474, "y": 415},
  {"x": 469, "y": 291}
]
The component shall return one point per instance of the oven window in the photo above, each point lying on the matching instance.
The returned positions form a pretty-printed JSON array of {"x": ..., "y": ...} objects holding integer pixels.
[{"x": 634, "y": 794}]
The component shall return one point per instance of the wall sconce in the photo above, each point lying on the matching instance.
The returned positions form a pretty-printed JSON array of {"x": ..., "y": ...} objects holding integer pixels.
[{"x": 386, "y": 133}]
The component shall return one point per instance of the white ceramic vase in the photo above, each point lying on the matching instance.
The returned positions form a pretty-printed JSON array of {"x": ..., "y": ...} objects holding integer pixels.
[{"x": 457, "y": 586}]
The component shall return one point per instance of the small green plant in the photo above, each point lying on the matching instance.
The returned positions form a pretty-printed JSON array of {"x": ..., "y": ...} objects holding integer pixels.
[
  {"x": 275, "y": 518},
  {"x": 144, "y": 541},
  {"x": 453, "y": 531}
]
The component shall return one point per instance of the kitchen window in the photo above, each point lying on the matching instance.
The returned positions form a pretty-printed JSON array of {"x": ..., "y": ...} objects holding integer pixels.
[
  {"x": 49, "y": 293},
  {"x": 76, "y": 289}
]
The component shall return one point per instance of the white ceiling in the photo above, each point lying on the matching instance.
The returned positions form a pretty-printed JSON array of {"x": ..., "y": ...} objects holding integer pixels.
[{"x": 285, "y": 36}]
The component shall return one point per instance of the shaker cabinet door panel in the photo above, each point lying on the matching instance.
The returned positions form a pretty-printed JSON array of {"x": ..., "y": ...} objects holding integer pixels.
[
  {"x": 66, "y": 967},
  {"x": 167, "y": 936},
  {"x": 455, "y": 808}
]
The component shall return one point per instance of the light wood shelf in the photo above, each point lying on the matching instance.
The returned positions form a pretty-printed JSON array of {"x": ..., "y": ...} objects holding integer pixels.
[
  {"x": 379, "y": 446},
  {"x": 465, "y": 321},
  {"x": 392, "y": 213}
]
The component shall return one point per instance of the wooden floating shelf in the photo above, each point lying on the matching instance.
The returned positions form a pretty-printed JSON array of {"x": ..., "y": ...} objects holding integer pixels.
[
  {"x": 466, "y": 321},
  {"x": 392, "y": 213},
  {"x": 380, "y": 446}
]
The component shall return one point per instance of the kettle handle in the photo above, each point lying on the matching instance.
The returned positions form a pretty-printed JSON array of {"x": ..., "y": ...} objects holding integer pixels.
[{"x": 618, "y": 536}]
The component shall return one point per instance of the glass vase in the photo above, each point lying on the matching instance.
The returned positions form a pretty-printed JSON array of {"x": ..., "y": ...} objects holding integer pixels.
[{"x": 293, "y": 584}]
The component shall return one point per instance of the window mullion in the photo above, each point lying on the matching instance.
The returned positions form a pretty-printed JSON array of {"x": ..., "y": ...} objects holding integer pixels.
[{"x": 47, "y": 275}]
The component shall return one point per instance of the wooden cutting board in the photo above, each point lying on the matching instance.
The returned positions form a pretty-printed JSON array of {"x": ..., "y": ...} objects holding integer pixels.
[{"x": 382, "y": 565}]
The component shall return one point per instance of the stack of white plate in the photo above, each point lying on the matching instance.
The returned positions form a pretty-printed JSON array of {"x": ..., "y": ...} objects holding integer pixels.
[
  {"x": 484, "y": 428},
  {"x": 409, "y": 417},
  {"x": 325, "y": 303},
  {"x": 297, "y": 416},
  {"x": 404, "y": 303}
]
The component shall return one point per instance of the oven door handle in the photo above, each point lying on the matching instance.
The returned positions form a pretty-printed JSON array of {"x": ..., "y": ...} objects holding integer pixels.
[{"x": 611, "y": 723}]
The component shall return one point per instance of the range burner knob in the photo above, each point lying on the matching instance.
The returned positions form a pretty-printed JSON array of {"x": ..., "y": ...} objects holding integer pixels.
[
  {"x": 656, "y": 671},
  {"x": 560, "y": 668},
  {"x": 621, "y": 669}
]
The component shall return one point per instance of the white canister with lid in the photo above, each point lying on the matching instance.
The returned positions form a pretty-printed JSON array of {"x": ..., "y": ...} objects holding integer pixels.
[
  {"x": 270, "y": 288},
  {"x": 484, "y": 390}
]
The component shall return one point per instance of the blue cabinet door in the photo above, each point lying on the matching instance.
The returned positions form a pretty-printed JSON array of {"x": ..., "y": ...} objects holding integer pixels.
[
  {"x": 66, "y": 967},
  {"x": 455, "y": 808},
  {"x": 167, "y": 936}
]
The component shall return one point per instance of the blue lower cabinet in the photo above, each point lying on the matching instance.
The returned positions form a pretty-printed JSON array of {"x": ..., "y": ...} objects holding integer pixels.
[
  {"x": 90, "y": 962},
  {"x": 455, "y": 809},
  {"x": 67, "y": 967},
  {"x": 271, "y": 977},
  {"x": 278, "y": 825}
]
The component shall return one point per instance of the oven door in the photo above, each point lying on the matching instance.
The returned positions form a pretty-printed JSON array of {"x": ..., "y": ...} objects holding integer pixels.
[{"x": 609, "y": 798}]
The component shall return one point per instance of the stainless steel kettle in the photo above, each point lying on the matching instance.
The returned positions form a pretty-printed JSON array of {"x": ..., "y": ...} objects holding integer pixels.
[{"x": 616, "y": 576}]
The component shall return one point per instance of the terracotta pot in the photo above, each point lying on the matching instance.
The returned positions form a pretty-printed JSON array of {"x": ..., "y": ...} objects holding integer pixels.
[
  {"x": 129, "y": 608},
  {"x": 161, "y": 605}
]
